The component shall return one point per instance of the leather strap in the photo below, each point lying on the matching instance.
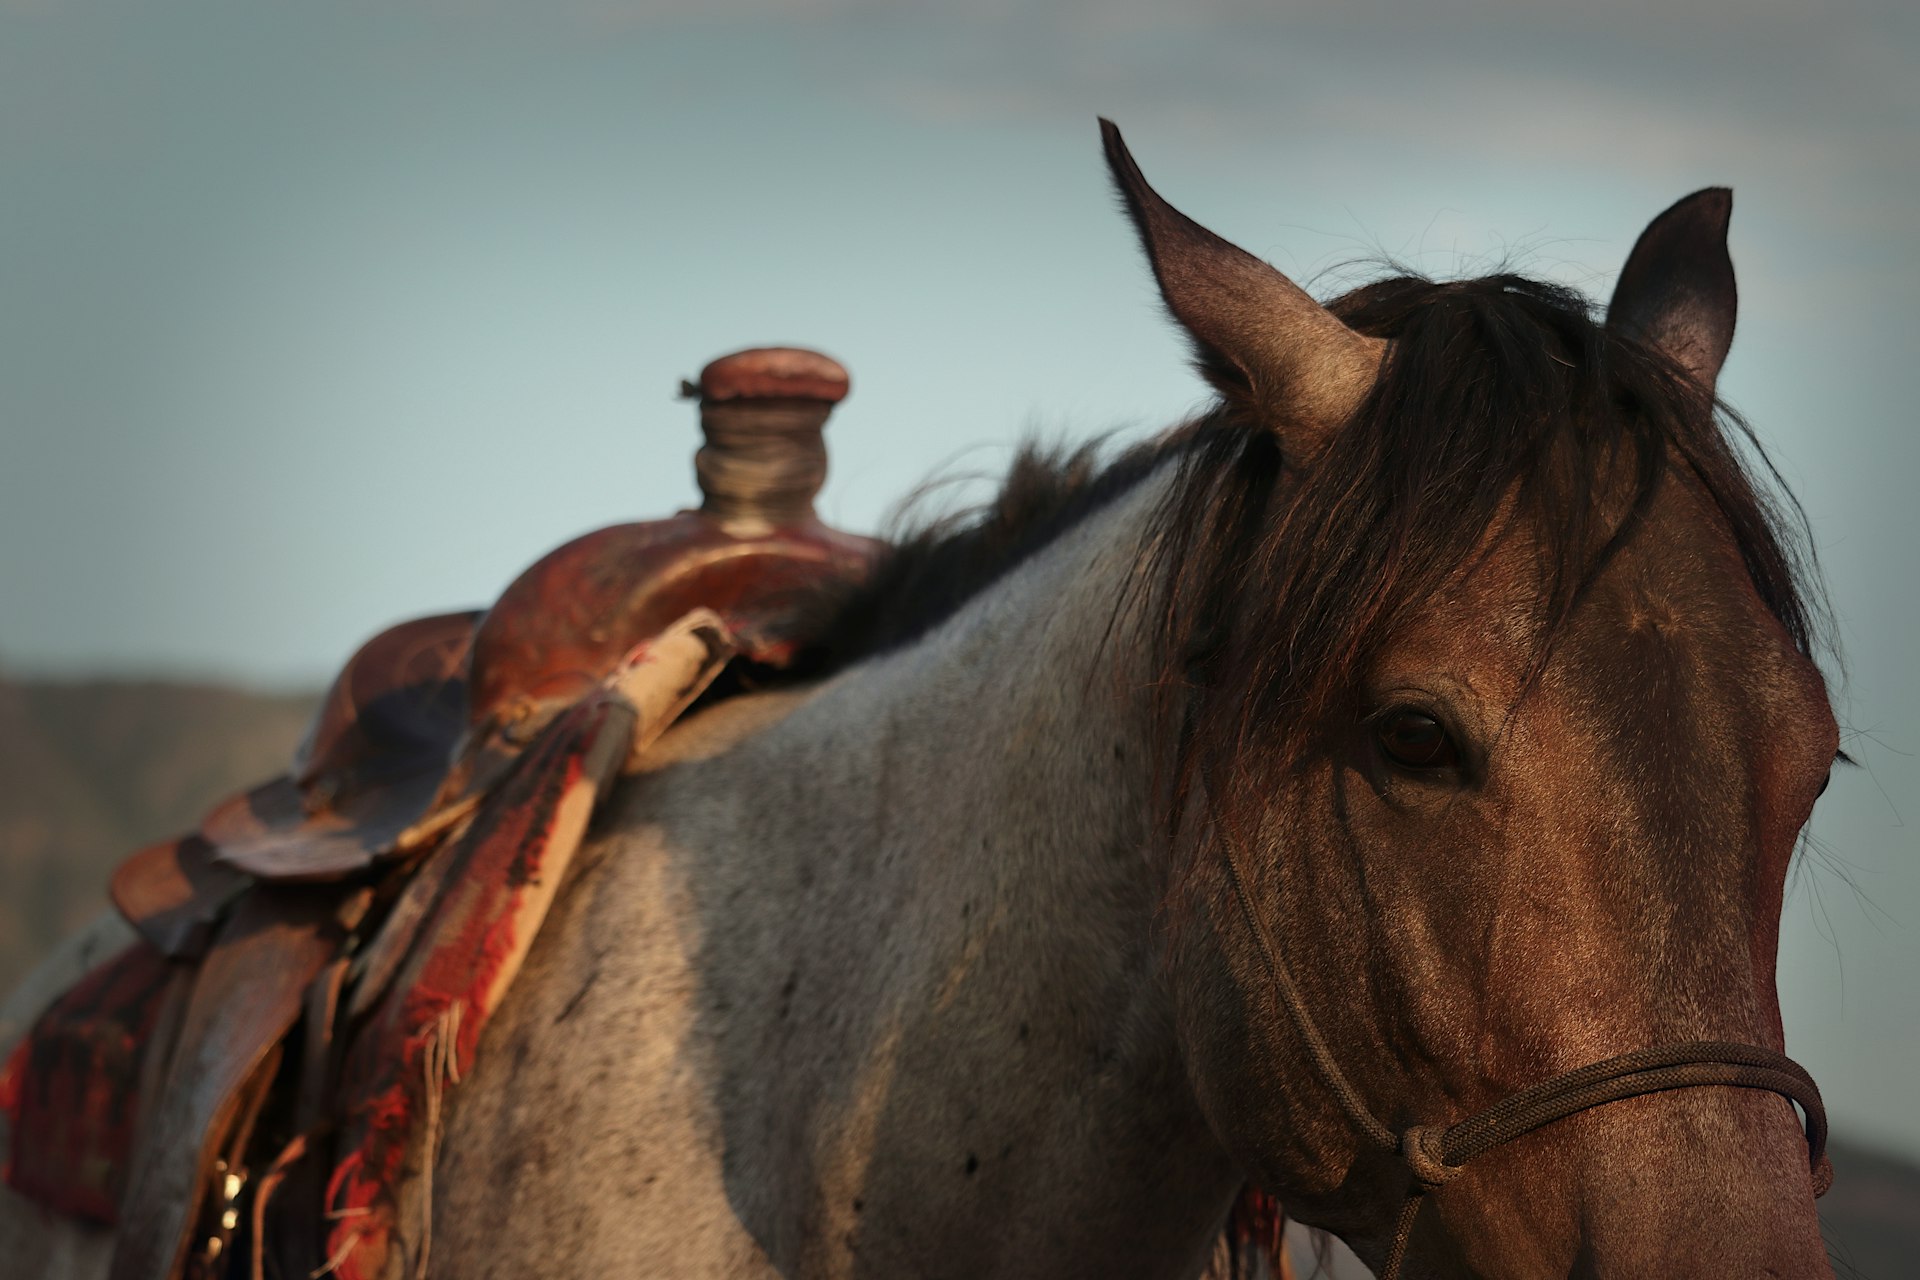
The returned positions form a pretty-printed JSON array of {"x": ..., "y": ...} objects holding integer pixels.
[{"x": 1436, "y": 1154}]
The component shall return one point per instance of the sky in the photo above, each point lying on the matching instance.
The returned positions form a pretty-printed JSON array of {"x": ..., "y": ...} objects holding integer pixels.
[{"x": 316, "y": 317}]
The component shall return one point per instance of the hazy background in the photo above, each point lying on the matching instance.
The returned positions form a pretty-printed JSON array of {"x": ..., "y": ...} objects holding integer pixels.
[{"x": 315, "y": 318}]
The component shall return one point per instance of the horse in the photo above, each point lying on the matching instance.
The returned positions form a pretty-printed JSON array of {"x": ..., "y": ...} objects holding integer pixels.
[{"x": 1433, "y": 716}]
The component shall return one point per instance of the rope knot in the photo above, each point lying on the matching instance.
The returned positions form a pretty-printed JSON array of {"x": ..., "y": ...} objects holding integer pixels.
[
  {"x": 1822, "y": 1176},
  {"x": 1420, "y": 1147}
]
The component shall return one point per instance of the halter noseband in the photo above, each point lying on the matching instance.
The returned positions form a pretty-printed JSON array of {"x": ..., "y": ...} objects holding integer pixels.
[{"x": 1435, "y": 1154}]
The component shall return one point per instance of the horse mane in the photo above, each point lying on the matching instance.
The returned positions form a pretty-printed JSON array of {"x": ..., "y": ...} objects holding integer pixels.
[
  {"x": 931, "y": 570},
  {"x": 1503, "y": 398}
]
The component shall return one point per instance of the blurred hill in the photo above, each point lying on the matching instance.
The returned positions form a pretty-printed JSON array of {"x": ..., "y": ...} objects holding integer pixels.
[{"x": 91, "y": 770}]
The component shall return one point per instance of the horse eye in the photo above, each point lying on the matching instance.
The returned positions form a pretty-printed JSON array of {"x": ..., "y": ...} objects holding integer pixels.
[{"x": 1416, "y": 740}]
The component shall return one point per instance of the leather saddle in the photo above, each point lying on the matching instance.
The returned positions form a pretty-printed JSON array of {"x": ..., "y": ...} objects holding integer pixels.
[{"x": 253, "y": 1088}]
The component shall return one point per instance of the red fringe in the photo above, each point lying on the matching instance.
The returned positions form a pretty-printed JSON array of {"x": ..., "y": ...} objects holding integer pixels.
[
  {"x": 461, "y": 949},
  {"x": 1256, "y": 1236}
]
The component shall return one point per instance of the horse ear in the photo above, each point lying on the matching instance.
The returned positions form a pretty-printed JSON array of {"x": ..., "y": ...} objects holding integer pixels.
[
  {"x": 1257, "y": 335},
  {"x": 1676, "y": 292}
]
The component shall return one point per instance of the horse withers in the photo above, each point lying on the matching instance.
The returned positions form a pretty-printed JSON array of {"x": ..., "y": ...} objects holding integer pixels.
[{"x": 1274, "y": 805}]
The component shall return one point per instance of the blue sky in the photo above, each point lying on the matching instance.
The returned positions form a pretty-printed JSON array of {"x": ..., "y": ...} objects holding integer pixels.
[{"x": 316, "y": 317}]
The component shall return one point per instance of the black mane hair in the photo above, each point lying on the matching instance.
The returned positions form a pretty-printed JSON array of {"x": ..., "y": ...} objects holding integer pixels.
[
  {"x": 930, "y": 572},
  {"x": 1501, "y": 398}
]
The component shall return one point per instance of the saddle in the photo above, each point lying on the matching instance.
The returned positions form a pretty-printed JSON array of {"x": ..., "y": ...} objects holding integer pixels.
[{"x": 253, "y": 1088}]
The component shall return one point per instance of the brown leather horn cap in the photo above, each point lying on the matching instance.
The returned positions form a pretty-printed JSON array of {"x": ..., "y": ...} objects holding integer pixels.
[{"x": 790, "y": 373}]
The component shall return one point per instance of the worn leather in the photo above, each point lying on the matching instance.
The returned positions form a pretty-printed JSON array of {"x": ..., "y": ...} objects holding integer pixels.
[
  {"x": 174, "y": 893},
  {"x": 247, "y": 994},
  {"x": 370, "y": 768}
]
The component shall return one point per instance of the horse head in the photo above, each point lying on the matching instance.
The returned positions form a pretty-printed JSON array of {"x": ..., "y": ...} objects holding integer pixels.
[{"x": 1497, "y": 725}]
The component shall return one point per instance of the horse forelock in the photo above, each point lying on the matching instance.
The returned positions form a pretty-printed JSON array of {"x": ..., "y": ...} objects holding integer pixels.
[{"x": 1503, "y": 404}]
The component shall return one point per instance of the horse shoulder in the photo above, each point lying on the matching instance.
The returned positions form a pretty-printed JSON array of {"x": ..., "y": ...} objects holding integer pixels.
[{"x": 588, "y": 1137}]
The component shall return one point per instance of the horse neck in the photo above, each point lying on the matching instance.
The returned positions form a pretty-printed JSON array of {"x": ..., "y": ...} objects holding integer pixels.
[
  {"x": 1011, "y": 886},
  {"x": 1031, "y": 706}
]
